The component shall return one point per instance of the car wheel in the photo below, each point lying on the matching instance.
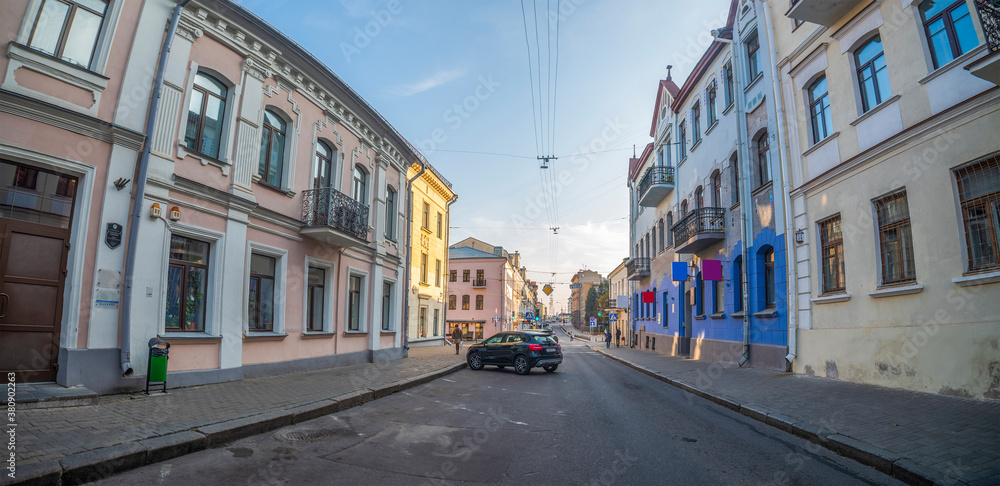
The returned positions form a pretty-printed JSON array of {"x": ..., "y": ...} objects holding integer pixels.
[
  {"x": 550, "y": 368},
  {"x": 521, "y": 365},
  {"x": 475, "y": 361}
]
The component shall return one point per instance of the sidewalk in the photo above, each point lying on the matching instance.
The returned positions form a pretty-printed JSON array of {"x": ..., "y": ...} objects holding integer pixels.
[
  {"x": 86, "y": 443},
  {"x": 917, "y": 437}
]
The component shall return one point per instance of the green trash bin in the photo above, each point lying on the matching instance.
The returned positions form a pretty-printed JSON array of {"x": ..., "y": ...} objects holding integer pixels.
[{"x": 157, "y": 369}]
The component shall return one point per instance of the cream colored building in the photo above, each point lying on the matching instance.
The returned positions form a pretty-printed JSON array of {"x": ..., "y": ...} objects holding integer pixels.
[
  {"x": 893, "y": 144},
  {"x": 431, "y": 198},
  {"x": 618, "y": 297}
]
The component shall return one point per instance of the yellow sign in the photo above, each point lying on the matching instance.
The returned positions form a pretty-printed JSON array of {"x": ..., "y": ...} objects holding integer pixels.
[{"x": 547, "y": 289}]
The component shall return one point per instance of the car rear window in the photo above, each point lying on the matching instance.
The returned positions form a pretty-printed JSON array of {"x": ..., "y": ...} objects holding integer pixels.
[{"x": 546, "y": 340}]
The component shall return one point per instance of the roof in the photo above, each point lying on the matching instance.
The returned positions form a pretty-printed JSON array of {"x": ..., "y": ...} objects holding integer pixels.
[
  {"x": 671, "y": 87},
  {"x": 635, "y": 163},
  {"x": 464, "y": 252}
]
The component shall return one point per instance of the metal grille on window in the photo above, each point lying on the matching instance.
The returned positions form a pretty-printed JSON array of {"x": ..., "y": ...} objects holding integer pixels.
[
  {"x": 832, "y": 242},
  {"x": 895, "y": 239},
  {"x": 979, "y": 193}
]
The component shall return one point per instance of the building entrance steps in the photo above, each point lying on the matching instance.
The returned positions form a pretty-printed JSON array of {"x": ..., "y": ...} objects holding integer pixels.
[
  {"x": 920, "y": 438},
  {"x": 117, "y": 432},
  {"x": 51, "y": 395}
]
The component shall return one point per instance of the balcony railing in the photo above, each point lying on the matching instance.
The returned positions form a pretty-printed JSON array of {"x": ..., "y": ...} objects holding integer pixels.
[
  {"x": 330, "y": 208},
  {"x": 699, "y": 228},
  {"x": 479, "y": 282},
  {"x": 638, "y": 268},
  {"x": 989, "y": 17},
  {"x": 655, "y": 184}
]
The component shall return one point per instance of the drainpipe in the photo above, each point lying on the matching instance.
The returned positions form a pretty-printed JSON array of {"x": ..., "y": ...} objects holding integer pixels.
[
  {"x": 743, "y": 159},
  {"x": 447, "y": 260},
  {"x": 786, "y": 188},
  {"x": 631, "y": 244},
  {"x": 140, "y": 192},
  {"x": 409, "y": 252}
]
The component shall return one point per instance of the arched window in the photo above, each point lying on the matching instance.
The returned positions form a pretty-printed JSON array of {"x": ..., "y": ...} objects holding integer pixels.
[
  {"x": 390, "y": 215},
  {"x": 699, "y": 198},
  {"x": 738, "y": 284},
  {"x": 652, "y": 245},
  {"x": 323, "y": 172},
  {"x": 358, "y": 190},
  {"x": 670, "y": 224},
  {"x": 272, "y": 149},
  {"x": 662, "y": 240},
  {"x": 684, "y": 208},
  {"x": 769, "y": 279},
  {"x": 819, "y": 110},
  {"x": 763, "y": 159},
  {"x": 205, "y": 113},
  {"x": 873, "y": 77},
  {"x": 716, "y": 190}
]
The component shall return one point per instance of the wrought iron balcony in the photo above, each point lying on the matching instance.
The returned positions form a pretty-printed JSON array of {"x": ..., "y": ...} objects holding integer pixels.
[
  {"x": 698, "y": 229},
  {"x": 822, "y": 12},
  {"x": 333, "y": 217},
  {"x": 988, "y": 67},
  {"x": 479, "y": 283},
  {"x": 655, "y": 185},
  {"x": 638, "y": 268}
]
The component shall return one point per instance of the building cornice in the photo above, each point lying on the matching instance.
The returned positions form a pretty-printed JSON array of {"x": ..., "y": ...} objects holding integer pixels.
[{"x": 88, "y": 126}]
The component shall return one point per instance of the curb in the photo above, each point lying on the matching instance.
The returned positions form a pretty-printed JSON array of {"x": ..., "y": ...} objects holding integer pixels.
[
  {"x": 97, "y": 464},
  {"x": 884, "y": 461}
]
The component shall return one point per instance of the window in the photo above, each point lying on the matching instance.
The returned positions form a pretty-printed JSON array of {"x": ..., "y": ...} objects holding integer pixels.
[
  {"x": 699, "y": 198},
  {"x": 662, "y": 230},
  {"x": 427, "y": 219},
  {"x": 979, "y": 194},
  {"x": 949, "y": 29},
  {"x": 832, "y": 255},
  {"x": 711, "y": 103},
  {"x": 720, "y": 297},
  {"x": 437, "y": 320},
  {"x": 479, "y": 302},
  {"x": 272, "y": 149},
  {"x": 187, "y": 284},
  {"x": 670, "y": 233},
  {"x": 387, "y": 306},
  {"x": 682, "y": 150},
  {"x": 422, "y": 322},
  {"x": 738, "y": 284},
  {"x": 734, "y": 162},
  {"x": 437, "y": 273},
  {"x": 315, "y": 299},
  {"x": 453, "y": 275},
  {"x": 323, "y": 172},
  {"x": 652, "y": 245},
  {"x": 699, "y": 294},
  {"x": 465, "y": 275},
  {"x": 440, "y": 223},
  {"x": 481, "y": 277},
  {"x": 763, "y": 159},
  {"x": 873, "y": 78},
  {"x": 659, "y": 157},
  {"x": 260, "y": 302},
  {"x": 696, "y": 123},
  {"x": 423, "y": 268},
  {"x": 895, "y": 239},
  {"x": 354, "y": 285},
  {"x": 684, "y": 208},
  {"x": 68, "y": 29},
  {"x": 465, "y": 302},
  {"x": 819, "y": 110},
  {"x": 358, "y": 190},
  {"x": 769, "y": 279},
  {"x": 753, "y": 57},
  {"x": 205, "y": 113},
  {"x": 390, "y": 213},
  {"x": 716, "y": 189},
  {"x": 452, "y": 302},
  {"x": 728, "y": 71}
]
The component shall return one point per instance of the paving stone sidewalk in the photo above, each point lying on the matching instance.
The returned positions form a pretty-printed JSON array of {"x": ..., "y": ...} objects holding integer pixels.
[
  {"x": 51, "y": 441},
  {"x": 918, "y": 437}
]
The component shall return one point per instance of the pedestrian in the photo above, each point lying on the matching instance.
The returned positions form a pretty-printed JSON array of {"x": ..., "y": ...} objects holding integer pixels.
[
  {"x": 618, "y": 338},
  {"x": 607, "y": 338},
  {"x": 456, "y": 335}
]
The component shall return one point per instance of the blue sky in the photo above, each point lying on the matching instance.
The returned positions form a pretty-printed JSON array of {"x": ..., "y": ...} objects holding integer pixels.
[{"x": 453, "y": 77}]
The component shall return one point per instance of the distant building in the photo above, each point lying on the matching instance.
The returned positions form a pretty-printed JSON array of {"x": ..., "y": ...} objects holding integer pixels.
[
  {"x": 580, "y": 284},
  {"x": 487, "y": 289}
]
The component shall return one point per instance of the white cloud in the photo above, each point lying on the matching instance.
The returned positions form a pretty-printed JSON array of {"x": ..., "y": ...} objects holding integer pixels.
[{"x": 439, "y": 78}]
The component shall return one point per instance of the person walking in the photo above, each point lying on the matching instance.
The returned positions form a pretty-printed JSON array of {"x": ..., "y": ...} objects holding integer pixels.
[
  {"x": 607, "y": 338},
  {"x": 618, "y": 338},
  {"x": 456, "y": 335}
]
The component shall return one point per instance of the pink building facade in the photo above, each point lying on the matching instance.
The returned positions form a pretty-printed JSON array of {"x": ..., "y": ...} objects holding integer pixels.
[{"x": 478, "y": 288}]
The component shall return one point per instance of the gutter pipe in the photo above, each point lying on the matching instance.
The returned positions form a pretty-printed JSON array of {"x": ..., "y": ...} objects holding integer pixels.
[
  {"x": 409, "y": 251},
  {"x": 140, "y": 192}
]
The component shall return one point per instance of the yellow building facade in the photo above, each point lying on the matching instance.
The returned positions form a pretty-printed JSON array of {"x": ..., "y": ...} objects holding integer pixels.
[{"x": 431, "y": 198}]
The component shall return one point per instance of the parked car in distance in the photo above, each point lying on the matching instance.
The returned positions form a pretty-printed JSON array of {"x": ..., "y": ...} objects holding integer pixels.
[{"x": 523, "y": 350}]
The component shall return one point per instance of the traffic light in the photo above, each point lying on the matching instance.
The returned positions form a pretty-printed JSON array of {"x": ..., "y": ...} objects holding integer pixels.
[{"x": 598, "y": 314}]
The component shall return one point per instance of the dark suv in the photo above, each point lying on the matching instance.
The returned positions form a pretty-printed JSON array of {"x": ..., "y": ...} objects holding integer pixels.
[{"x": 523, "y": 350}]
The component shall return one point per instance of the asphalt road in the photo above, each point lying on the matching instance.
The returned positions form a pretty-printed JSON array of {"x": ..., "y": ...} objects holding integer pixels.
[{"x": 593, "y": 421}]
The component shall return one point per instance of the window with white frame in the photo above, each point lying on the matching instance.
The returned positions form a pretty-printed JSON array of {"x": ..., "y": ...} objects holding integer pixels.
[
  {"x": 752, "y": 45},
  {"x": 710, "y": 109},
  {"x": 763, "y": 159},
  {"x": 819, "y": 110},
  {"x": 323, "y": 171},
  {"x": 437, "y": 272},
  {"x": 261, "y": 298},
  {"x": 355, "y": 297},
  {"x": 387, "y": 305},
  {"x": 316, "y": 299},
  {"x": 204, "y": 129},
  {"x": 682, "y": 148},
  {"x": 696, "y": 123},
  {"x": 727, "y": 71},
  {"x": 272, "y": 149},
  {"x": 359, "y": 188},
  {"x": 187, "y": 284},
  {"x": 390, "y": 213},
  {"x": 69, "y": 29},
  {"x": 423, "y": 268}
]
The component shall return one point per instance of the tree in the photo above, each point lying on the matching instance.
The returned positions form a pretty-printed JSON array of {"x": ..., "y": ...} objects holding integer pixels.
[{"x": 591, "y": 308}]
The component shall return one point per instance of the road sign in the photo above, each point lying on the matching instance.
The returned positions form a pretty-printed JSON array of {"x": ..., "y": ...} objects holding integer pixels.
[
  {"x": 576, "y": 286},
  {"x": 613, "y": 316},
  {"x": 593, "y": 321},
  {"x": 528, "y": 315},
  {"x": 547, "y": 289}
]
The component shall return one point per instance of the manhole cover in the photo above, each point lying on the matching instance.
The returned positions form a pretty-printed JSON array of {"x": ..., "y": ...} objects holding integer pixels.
[{"x": 304, "y": 435}]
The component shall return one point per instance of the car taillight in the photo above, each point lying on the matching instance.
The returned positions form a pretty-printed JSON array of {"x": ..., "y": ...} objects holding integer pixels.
[{"x": 535, "y": 347}]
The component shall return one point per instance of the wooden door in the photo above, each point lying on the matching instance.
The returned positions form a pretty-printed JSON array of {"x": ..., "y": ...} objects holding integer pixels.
[{"x": 32, "y": 275}]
